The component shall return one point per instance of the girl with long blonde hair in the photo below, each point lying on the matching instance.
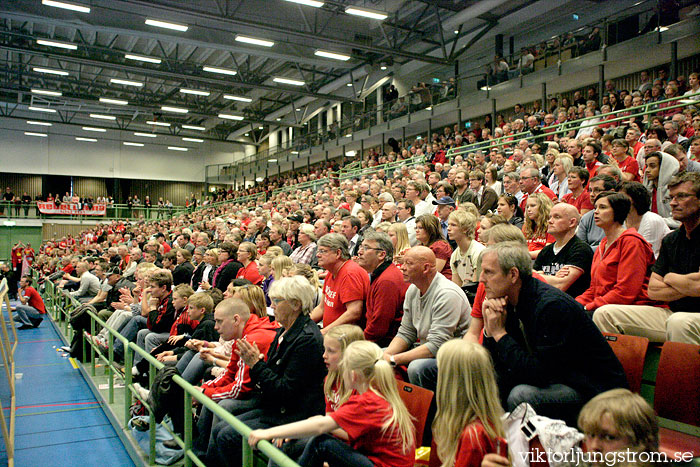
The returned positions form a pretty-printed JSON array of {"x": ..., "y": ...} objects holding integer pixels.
[
  {"x": 398, "y": 233},
  {"x": 336, "y": 340},
  {"x": 280, "y": 266},
  {"x": 467, "y": 424},
  {"x": 379, "y": 427},
  {"x": 536, "y": 219}
]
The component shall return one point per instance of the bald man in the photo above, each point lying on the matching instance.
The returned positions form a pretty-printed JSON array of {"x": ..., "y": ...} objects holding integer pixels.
[
  {"x": 435, "y": 310},
  {"x": 566, "y": 263}
]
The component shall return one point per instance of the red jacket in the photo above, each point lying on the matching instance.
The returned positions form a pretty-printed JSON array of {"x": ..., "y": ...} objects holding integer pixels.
[
  {"x": 235, "y": 382},
  {"x": 385, "y": 305},
  {"x": 620, "y": 276}
]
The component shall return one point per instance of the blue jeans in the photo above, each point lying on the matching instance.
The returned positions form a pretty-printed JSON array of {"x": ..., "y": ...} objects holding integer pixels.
[
  {"x": 423, "y": 372},
  {"x": 554, "y": 401},
  {"x": 191, "y": 367},
  {"x": 130, "y": 331},
  {"x": 28, "y": 315},
  {"x": 327, "y": 448},
  {"x": 204, "y": 441}
]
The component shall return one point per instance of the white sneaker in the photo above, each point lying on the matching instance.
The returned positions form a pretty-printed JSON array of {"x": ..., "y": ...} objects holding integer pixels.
[
  {"x": 141, "y": 391},
  {"x": 134, "y": 371}
]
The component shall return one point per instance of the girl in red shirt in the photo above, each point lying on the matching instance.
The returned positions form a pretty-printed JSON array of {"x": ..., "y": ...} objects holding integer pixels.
[
  {"x": 335, "y": 342},
  {"x": 377, "y": 424},
  {"x": 468, "y": 424},
  {"x": 536, "y": 220}
]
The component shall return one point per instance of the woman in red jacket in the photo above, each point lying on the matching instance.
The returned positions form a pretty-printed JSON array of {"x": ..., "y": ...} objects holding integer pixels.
[
  {"x": 621, "y": 265},
  {"x": 247, "y": 252}
]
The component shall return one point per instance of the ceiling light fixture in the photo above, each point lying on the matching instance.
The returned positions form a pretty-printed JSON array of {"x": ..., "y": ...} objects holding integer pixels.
[
  {"x": 50, "y": 71},
  {"x": 145, "y": 135},
  {"x": 34, "y": 122},
  {"x": 89, "y": 140},
  {"x": 103, "y": 117},
  {"x": 177, "y": 110},
  {"x": 42, "y": 109},
  {"x": 237, "y": 98},
  {"x": 194, "y": 140},
  {"x": 129, "y": 143},
  {"x": 92, "y": 128},
  {"x": 194, "y": 127},
  {"x": 31, "y": 133},
  {"x": 313, "y": 3},
  {"x": 333, "y": 55},
  {"x": 351, "y": 10},
  {"x": 272, "y": 161},
  {"x": 177, "y": 148},
  {"x": 247, "y": 134},
  {"x": 44, "y": 92},
  {"x": 153, "y": 122},
  {"x": 142, "y": 58},
  {"x": 261, "y": 127},
  {"x": 167, "y": 25},
  {"x": 349, "y": 85},
  {"x": 194, "y": 92},
  {"x": 61, "y": 45},
  {"x": 66, "y": 6},
  {"x": 254, "y": 41},
  {"x": 230, "y": 117},
  {"x": 125, "y": 82},
  {"x": 222, "y": 71},
  {"x": 106, "y": 100},
  {"x": 383, "y": 67},
  {"x": 293, "y": 82}
]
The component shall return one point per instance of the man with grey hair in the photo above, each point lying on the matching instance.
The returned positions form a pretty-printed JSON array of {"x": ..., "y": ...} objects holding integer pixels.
[
  {"x": 546, "y": 350},
  {"x": 435, "y": 311},
  {"x": 89, "y": 284},
  {"x": 384, "y": 304},
  {"x": 345, "y": 287}
]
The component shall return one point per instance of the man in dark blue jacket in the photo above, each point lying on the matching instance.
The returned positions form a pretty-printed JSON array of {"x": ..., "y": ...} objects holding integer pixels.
[{"x": 546, "y": 350}]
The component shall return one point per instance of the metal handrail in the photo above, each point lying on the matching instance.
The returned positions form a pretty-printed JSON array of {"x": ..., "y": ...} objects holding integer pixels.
[
  {"x": 113, "y": 212},
  {"x": 190, "y": 392},
  {"x": 7, "y": 349}
]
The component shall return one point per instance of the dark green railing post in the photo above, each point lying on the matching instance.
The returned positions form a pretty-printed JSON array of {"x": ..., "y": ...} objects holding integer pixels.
[
  {"x": 128, "y": 357},
  {"x": 188, "y": 427}
]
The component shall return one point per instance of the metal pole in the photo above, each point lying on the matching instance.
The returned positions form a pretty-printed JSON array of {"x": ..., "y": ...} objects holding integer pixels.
[
  {"x": 601, "y": 83},
  {"x": 544, "y": 97},
  {"x": 493, "y": 115},
  {"x": 674, "y": 60}
]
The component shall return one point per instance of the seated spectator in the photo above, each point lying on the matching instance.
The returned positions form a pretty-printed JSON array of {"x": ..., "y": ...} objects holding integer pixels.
[
  {"x": 247, "y": 252},
  {"x": 31, "y": 309},
  {"x": 627, "y": 164},
  {"x": 89, "y": 284},
  {"x": 291, "y": 388},
  {"x": 536, "y": 220},
  {"x": 660, "y": 168},
  {"x": 546, "y": 351},
  {"x": 649, "y": 225},
  {"x": 485, "y": 198},
  {"x": 559, "y": 182},
  {"x": 384, "y": 302},
  {"x": 464, "y": 262},
  {"x": 508, "y": 209},
  {"x": 578, "y": 196},
  {"x": 182, "y": 273},
  {"x": 228, "y": 267},
  {"x": 307, "y": 249},
  {"x": 429, "y": 234},
  {"x": 620, "y": 269},
  {"x": 530, "y": 184},
  {"x": 588, "y": 231},
  {"x": 435, "y": 310},
  {"x": 345, "y": 287},
  {"x": 399, "y": 239},
  {"x": 205, "y": 269},
  {"x": 674, "y": 278},
  {"x": 566, "y": 263}
]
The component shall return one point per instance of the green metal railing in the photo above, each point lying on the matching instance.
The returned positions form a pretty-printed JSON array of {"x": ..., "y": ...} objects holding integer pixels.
[
  {"x": 114, "y": 211},
  {"x": 7, "y": 349},
  {"x": 61, "y": 305}
]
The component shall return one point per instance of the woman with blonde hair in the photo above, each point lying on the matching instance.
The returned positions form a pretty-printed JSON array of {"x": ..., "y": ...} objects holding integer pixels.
[
  {"x": 559, "y": 179},
  {"x": 467, "y": 424},
  {"x": 275, "y": 251},
  {"x": 304, "y": 270},
  {"x": 253, "y": 296},
  {"x": 280, "y": 266},
  {"x": 379, "y": 428},
  {"x": 536, "y": 220},
  {"x": 398, "y": 233},
  {"x": 336, "y": 340}
]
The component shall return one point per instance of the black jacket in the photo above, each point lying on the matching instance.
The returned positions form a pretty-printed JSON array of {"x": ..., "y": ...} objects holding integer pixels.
[
  {"x": 199, "y": 272},
  {"x": 227, "y": 275},
  {"x": 566, "y": 347},
  {"x": 204, "y": 331},
  {"x": 182, "y": 274},
  {"x": 291, "y": 380}
]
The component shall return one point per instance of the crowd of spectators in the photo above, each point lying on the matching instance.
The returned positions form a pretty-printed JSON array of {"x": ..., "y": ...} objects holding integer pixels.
[{"x": 528, "y": 247}]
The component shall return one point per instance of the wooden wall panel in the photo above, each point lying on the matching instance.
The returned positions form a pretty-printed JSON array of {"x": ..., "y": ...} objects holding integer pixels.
[
  {"x": 20, "y": 183},
  {"x": 50, "y": 230},
  {"x": 84, "y": 186},
  {"x": 176, "y": 192}
]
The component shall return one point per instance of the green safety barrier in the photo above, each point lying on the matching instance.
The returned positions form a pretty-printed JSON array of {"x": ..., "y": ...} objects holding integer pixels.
[
  {"x": 60, "y": 306},
  {"x": 113, "y": 212}
]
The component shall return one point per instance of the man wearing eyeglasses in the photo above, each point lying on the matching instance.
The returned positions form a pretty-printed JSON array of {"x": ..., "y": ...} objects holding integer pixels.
[
  {"x": 530, "y": 183},
  {"x": 675, "y": 277}
]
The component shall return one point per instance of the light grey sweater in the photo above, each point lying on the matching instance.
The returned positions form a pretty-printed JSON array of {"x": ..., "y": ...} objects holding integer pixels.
[{"x": 441, "y": 314}]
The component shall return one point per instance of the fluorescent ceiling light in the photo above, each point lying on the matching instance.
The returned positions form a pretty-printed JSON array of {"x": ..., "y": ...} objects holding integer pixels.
[
  {"x": 42, "y": 109},
  {"x": 230, "y": 117},
  {"x": 31, "y": 133},
  {"x": 429, "y": 108},
  {"x": 129, "y": 143},
  {"x": 254, "y": 41},
  {"x": 349, "y": 135},
  {"x": 278, "y": 119},
  {"x": 66, "y": 6},
  {"x": 313, "y": 3},
  {"x": 194, "y": 127},
  {"x": 333, "y": 55},
  {"x": 485, "y": 88},
  {"x": 50, "y": 71},
  {"x": 247, "y": 134},
  {"x": 62, "y": 45},
  {"x": 350, "y": 154},
  {"x": 237, "y": 98},
  {"x": 106, "y": 100},
  {"x": 89, "y": 140},
  {"x": 44, "y": 92},
  {"x": 662, "y": 28},
  {"x": 295, "y": 152},
  {"x": 259, "y": 179},
  {"x": 167, "y": 25},
  {"x": 383, "y": 67},
  {"x": 103, "y": 117},
  {"x": 261, "y": 127},
  {"x": 351, "y": 10},
  {"x": 293, "y": 82},
  {"x": 349, "y": 85},
  {"x": 152, "y": 122},
  {"x": 125, "y": 82},
  {"x": 222, "y": 71},
  {"x": 195, "y": 92},
  {"x": 145, "y": 135},
  {"x": 177, "y": 110},
  {"x": 272, "y": 161},
  {"x": 177, "y": 148},
  {"x": 33, "y": 122},
  {"x": 92, "y": 128},
  {"x": 194, "y": 140},
  {"x": 142, "y": 58}
]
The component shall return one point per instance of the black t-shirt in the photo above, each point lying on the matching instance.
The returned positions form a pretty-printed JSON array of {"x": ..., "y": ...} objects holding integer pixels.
[
  {"x": 8, "y": 196},
  {"x": 680, "y": 255},
  {"x": 575, "y": 253}
]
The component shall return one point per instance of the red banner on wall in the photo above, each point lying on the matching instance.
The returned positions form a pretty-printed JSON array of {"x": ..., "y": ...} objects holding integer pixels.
[{"x": 71, "y": 209}]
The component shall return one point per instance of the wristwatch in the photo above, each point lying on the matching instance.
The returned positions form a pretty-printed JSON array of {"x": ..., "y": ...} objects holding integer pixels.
[{"x": 392, "y": 362}]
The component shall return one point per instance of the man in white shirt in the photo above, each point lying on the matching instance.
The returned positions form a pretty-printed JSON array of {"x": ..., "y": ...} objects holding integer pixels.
[{"x": 406, "y": 214}]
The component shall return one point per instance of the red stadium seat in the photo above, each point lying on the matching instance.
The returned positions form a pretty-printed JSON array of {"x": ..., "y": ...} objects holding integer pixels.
[
  {"x": 417, "y": 400},
  {"x": 631, "y": 351}
]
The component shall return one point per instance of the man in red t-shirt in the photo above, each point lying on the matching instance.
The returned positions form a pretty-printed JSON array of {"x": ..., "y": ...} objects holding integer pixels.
[
  {"x": 30, "y": 312},
  {"x": 345, "y": 288},
  {"x": 530, "y": 183}
]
